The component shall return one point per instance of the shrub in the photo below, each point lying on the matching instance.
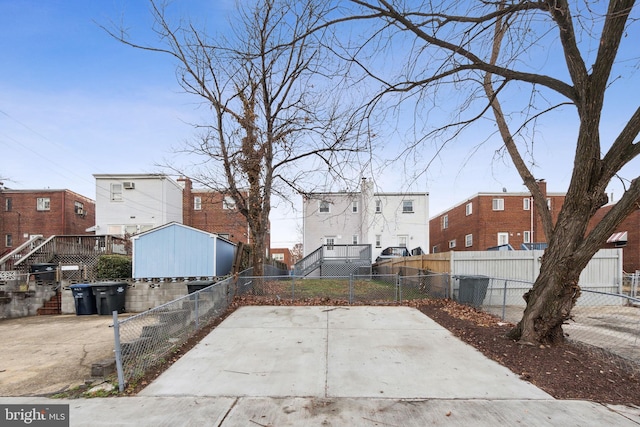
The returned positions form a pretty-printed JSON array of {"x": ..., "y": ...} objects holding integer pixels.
[{"x": 114, "y": 267}]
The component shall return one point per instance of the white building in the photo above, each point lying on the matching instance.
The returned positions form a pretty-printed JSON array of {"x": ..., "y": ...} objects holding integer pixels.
[
  {"x": 133, "y": 203},
  {"x": 365, "y": 217}
]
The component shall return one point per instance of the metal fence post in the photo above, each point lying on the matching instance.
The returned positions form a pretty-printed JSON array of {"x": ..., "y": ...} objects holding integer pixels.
[
  {"x": 351, "y": 288},
  {"x": 196, "y": 310},
  {"x": 504, "y": 300},
  {"x": 118, "y": 351}
]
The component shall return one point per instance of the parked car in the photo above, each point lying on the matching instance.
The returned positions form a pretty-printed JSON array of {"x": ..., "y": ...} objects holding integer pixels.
[{"x": 393, "y": 252}]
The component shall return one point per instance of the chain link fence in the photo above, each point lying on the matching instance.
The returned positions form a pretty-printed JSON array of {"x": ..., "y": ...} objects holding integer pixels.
[
  {"x": 601, "y": 320},
  {"x": 148, "y": 338},
  {"x": 607, "y": 322},
  {"x": 351, "y": 289}
]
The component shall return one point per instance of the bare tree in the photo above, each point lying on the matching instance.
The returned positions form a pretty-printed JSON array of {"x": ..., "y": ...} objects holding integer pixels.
[
  {"x": 494, "y": 51},
  {"x": 276, "y": 120}
]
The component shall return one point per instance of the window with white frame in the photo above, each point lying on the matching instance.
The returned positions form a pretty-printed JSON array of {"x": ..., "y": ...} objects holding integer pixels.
[
  {"x": 526, "y": 236},
  {"x": 434, "y": 249},
  {"x": 43, "y": 204},
  {"x": 228, "y": 203},
  {"x": 468, "y": 240},
  {"x": 354, "y": 206},
  {"x": 78, "y": 208},
  {"x": 354, "y": 239},
  {"x": 503, "y": 239},
  {"x": 8, "y": 240},
  {"x": 224, "y": 235},
  {"x": 324, "y": 206},
  {"x": 498, "y": 204},
  {"x": 8, "y": 204},
  {"x": 526, "y": 204},
  {"x": 330, "y": 241},
  {"x": 378, "y": 240},
  {"x": 407, "y": 206},
  {"x": 468, "y": 209},
  {"x": 452, "y": 244},
  {"x": 278, "y": 257},
  {"x": 116, "y": 192},
  {"x": 378, "y": 206},
  {"x": 549, "y": 204},
  {"x": 402, "y": 241},
  {"x": 445, "y": 222},
  {"x": 197, "y": 203}
]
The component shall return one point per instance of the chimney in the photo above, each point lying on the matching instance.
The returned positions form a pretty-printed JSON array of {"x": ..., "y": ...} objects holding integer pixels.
[
  {"x": 187, "y": 200},
  {"x": 542, "y": 185}
]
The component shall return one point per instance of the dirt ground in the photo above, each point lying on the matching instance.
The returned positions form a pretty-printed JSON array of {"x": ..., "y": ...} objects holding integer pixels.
[{"x": 43, "y": 355}]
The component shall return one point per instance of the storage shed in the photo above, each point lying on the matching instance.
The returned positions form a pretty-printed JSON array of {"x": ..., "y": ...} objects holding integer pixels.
[{"x": 176, "y": 250}]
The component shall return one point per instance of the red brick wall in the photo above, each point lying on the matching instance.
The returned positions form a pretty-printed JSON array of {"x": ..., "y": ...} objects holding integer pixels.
[
  {"x": 484, "y": 223},
  {"x": 60, "y": 219},
  {"x": 212, "y": 217},
  {"x": 631, "y": 251},
  {"x": 288, "y": 258}
]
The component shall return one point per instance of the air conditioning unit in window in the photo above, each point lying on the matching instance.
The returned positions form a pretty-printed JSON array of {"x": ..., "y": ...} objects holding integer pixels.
[{"x": 128, "y": 185}]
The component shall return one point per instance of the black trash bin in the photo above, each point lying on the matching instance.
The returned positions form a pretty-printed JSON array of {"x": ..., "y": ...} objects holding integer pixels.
[
  {"x": 197, "y": 285},
  {"x": 84, "y": 299},
  {"x": 110, "y": 297},
  {"x": 44, "y": 271},
  {"x": 472, "y": 290}
]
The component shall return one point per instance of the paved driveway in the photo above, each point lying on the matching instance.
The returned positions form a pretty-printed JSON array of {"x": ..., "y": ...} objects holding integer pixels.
[{"x": 47, "y": 354}]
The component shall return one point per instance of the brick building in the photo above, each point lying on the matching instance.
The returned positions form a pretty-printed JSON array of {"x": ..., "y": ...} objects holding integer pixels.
[
  {"x": 212, "y": 211},
  {"x": 283, "y": 255},
  {"x": 27, "y": 213},
  {"x": 626, "y": 236},
  {"x": 487, "y": 220}
]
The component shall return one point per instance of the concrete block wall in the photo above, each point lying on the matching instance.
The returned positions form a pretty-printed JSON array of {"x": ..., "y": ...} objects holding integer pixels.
[
  {"x": 140, "y": 296},
  {"x": 21, "y": 300}
]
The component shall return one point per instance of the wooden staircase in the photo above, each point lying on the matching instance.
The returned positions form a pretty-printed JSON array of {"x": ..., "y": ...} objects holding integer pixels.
[{"x": 53, "y": 306}]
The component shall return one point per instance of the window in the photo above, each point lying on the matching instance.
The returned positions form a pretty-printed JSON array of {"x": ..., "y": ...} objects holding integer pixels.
[
  {"x": 114, "y": 230},
  {"x": 8, "y": 204},
  {"x": 468, "y": 209},
  {"x": 278, "y": 257},
  {"x": 324, "y": 207},
  {"x": 402, "y": 241},
  {"x": 526, "y": 204},
  {"x": 354, "y": 206},
  {"x": 378, "y": 206},
  {"x": 468, "y": 240},
  {"x": 8, "y": 240},
  {"x": 116, "y": 192},
  {"x": 434, "y": 249},
  {"x": 78, "y": 208},
  {"x": 452, "y": 244},
  {"x": 354, "y": 239},
  {"x": 330, "y": 241},
  {"x": 43, "y": 204},
  {"x": 228, "y": 203},
  {"x": 224, "y": 235},
  {"x": 498, "y": 204},
  {"x": 549, "y": 204},
  {"x": 197, "y": 203},
  {"x": 407, "y": 206},
  {"x": 378, "y": 240},
  {"x": 526, "y": 237},
  {"x": 445, "y": 222},
  {"x": 503, "y": 239}
]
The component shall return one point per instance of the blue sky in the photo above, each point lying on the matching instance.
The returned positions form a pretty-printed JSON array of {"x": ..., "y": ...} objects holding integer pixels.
[{"x": 75, "y": 102}]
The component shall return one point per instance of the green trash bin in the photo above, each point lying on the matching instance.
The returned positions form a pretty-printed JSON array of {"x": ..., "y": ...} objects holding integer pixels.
[
  {"x": 110, "y": 296},
  {"x": 85, "y": 302},
  {"x": 472, "y": 290}
]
